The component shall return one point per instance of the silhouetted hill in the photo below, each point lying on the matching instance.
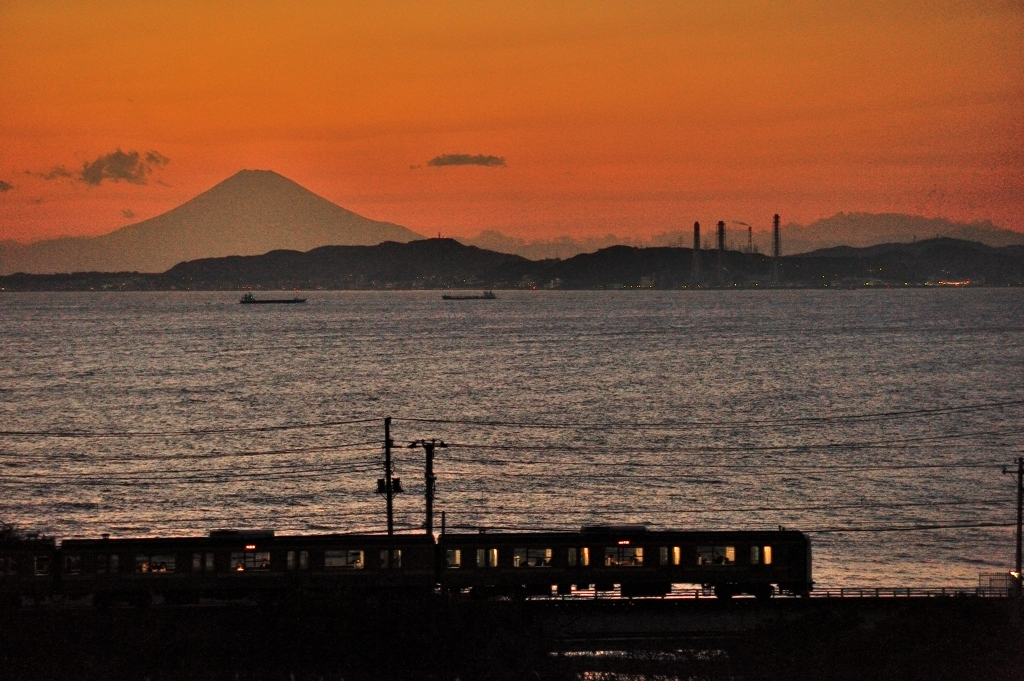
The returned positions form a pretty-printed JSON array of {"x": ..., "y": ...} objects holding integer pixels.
[
  {"x": 445, "y": 263},
  {"x": 932, "y": 260},
  {"x": 429, "y": 263},
  {"x": 251, "y": 212}
]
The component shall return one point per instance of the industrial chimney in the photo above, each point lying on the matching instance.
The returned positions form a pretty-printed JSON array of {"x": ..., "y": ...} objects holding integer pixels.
[
  {"x": 695, "y": 275},
  {"x": 776, "y": 249},
  {"x": 721, "y": 253}
]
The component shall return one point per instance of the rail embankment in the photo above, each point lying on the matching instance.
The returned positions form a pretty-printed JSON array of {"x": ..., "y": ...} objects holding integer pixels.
[{"x": 836, "y": 638}]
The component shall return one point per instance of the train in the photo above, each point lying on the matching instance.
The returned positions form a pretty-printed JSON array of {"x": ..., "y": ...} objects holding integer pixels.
[{"x": 268, "y": 567}]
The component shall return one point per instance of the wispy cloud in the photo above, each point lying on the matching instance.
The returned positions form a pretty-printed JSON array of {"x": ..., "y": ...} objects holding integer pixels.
[
  {"x": 56, "y": 173},
  {"x": 5, "y": 186},
  {"x": 467, "y": 160},
  {"x": 118, "y": 165}
]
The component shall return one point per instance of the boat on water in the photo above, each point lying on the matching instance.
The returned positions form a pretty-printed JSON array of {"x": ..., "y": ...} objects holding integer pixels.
[
  {"x": 486, "y": 295},
  {"x": 250, "y": 299}
]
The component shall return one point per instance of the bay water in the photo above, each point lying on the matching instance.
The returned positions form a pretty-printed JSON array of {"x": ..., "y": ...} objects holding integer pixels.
[{"x": 878, "y": 421}]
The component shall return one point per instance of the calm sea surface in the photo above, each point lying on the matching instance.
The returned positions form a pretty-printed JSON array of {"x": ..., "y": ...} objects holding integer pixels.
[{"x": 176, "y": 413}]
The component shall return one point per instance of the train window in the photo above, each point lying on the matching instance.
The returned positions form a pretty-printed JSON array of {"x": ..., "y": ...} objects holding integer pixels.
[
  {"x": 585, "y": 556},
  {"x": 492, "y": 558},
  {"x": 391, "y": 560},
  {"x": 106, "y": 564},
  {"x": 154, "y": 563},
  {"x": 760, "y": 555},
  {"x": 572, "y": 557},
  {"x": 303, "y": 560},
  {"x": 663, "y": 555},
  {"x": 344, "y": 560},
  {"x": 242, "y": 561},
  {"x": 453, "y": 558},
  {"x": 73, "y": 565},
  {"x": 623, "y": 556},
  {"x": 481, "y": 558},
  {"x": 716, "y": 555},
  {"x": 677, "y": 555},
  {"x": 209, "y": 562},
  {"x": 531, "y": 558},
  {"x": 42, "y": 565},
  {"x": 197, "y": 562},
  {"x": 290, "y": 560}
]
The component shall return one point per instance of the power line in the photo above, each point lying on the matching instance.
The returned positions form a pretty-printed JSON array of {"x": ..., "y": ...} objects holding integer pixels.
[
  {"x": 674, "y": 425},
  {"x": 176, "y": 433},
  {"x": 767, "y": 467},
  {"x": 913, "y": 528},
  {"x": 193, "y": 457}
]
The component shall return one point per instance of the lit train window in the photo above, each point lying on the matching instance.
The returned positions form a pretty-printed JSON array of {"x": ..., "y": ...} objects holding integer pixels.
[
  {"x": 453, "y": 558},
  {"x": 623, "y": 556},
  {"x": 492, "y": 558},
  {"x": 760, "y": 555},
  {"x": 242, "y": 561},
  {"x": 486, "y": 558},
  {"x": 531, "y": 558},
  {"x": 344, "y": 560},
  {"x": 716, "y": 555},
  {"x": 152, "y": 564},
  {"x": 390, "y": 559},
  {"x": 585, "y": 556},
  {"x": 677, "y": 555},
  {"x": 767, "y": 555}
]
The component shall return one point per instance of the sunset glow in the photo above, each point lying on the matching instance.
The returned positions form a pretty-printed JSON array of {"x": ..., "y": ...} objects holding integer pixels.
[{"x": 537, "y": 119}]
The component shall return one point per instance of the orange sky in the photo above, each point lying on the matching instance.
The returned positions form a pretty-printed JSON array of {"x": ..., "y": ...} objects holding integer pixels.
[{"x": 631, "y": 117}]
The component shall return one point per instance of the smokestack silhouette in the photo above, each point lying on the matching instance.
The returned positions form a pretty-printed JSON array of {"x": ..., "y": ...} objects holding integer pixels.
[
  {"x": 695, "y": 275},
  {"x": 776, "y": 249},
  {"x": 721, "y": 252}
]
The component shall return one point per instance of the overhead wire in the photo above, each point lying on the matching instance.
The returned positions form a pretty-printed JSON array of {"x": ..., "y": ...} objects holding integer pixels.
[
  {"x": 179, "y": 433},
  {"x": 672, "y": 425}
]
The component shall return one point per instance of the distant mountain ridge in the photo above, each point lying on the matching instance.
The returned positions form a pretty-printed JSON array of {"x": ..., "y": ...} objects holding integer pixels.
[
  {"x": 842, "y": 229},
  {"x": 446, "y": 263},
  {"x": 251, "y": 212}
]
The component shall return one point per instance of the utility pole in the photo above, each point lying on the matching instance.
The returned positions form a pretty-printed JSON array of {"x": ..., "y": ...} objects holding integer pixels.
[
  {"x": 389, "y": 486},
  {"x": 1020, "y": 510},
  {"x": 429, "y": 478}
]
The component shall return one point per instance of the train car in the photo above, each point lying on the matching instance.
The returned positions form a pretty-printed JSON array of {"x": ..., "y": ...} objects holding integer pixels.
[
  {"x": 640, "y": 562},
  {"x": 232, "y": 564},
  {"x": 28, "y": 568}
]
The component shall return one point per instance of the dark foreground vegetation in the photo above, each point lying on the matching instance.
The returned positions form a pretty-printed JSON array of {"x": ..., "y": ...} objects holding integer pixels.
[
  {"x": 934, "y": 639},
  {"x": 446, "y": 263}
]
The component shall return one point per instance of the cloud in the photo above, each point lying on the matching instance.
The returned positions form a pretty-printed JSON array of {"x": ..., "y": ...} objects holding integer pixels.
[
  {"x": 56, "y": 173},
  {"x": 128, "y": 213},
  {"x": 467, "y": 160},
  {"x": 119, "y": 165},
  {"x": 5, "y": 186}
]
